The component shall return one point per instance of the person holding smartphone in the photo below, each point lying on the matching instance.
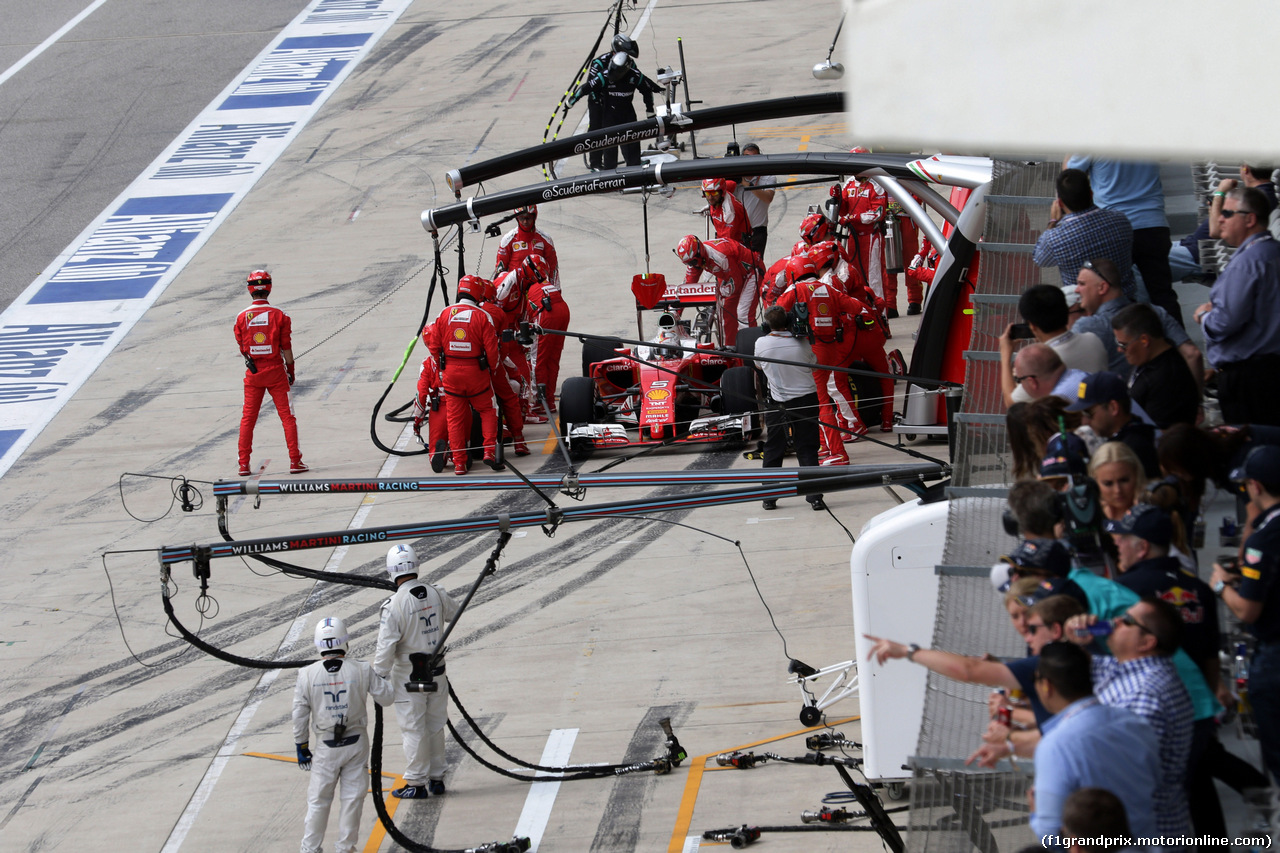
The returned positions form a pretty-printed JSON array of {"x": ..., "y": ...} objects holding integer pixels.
[{"x": 1043, "y": 307}]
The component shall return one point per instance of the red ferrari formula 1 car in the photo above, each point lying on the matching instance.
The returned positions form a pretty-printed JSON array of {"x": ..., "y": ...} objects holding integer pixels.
[{"x": 679, "y": 388}]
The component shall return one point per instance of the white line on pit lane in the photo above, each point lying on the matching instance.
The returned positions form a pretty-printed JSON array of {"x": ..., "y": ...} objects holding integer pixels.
[{"x": 49, "y": 42}]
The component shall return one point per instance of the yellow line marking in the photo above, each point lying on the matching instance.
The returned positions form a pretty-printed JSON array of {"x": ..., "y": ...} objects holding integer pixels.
[
  {"x": 698, "y": 766},
  {"x": 379, "y": 833},
  {"x": 289, "y": 758},
  {"x": 549, "y": 446},
  {"x": 812, "y": 128},
  {"x": 803, "y": 146}
]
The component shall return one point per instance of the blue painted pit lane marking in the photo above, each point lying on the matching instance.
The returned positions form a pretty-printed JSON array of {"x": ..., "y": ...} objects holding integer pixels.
[
  {"x": 128, "y": 254},
  {"x": 7, "y": 438},
  {"x": 120, "y": 264},
  {"x": 296, "y": 73}
]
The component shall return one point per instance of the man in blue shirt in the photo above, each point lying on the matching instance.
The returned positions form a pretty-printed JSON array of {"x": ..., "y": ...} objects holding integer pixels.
[
  {"x": 1079, "y": 229},
  {"x": 1087, "y": 744},
  {"x": 1241, "y": 320},
  {"x": 1134, "y": 189},
  {"x": 1102, "y": 298}
]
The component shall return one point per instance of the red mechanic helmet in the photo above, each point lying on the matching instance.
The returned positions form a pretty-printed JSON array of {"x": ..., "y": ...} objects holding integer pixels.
[
  {"x": 510, "y": 290},
  {"x": 815, "y": 228},
  {"x": 259, "y": 280},
  {"x": 689, "y": 250},
  {"x": 800, "y": 267},
  {"x": 527, "y": 210},
  {"x": 535, "y": 269},
  {"x": 823, "y": 254},
  {"x": 859, "y": 149},
  {"x": 472, "y": 286},
  {"x": 713, "y": 185}
]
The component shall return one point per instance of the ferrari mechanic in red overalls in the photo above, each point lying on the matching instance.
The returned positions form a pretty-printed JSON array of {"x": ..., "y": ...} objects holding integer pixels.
[
  {"x": 548, "y": 310},
  {"x": 728, "y": 215},
  {"x": 465, "y": 345},
  {"x": 831, "y": 334},
  {"x": 525, "y": 240},
  {"x": 264, "y": 335},
  {"x": 862, "y": 209},
  {"x": 507, "y": 383},
  {"x": 734, "y": 267}
]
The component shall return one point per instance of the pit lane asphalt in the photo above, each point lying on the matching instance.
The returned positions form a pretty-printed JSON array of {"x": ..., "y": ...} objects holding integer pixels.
[
  {"x": 604, "y": 628},
  {"x": 80, "y": 121}
]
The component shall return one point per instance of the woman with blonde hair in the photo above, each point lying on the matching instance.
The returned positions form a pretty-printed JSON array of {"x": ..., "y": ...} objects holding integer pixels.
[{"x": 1118, "y": 472}]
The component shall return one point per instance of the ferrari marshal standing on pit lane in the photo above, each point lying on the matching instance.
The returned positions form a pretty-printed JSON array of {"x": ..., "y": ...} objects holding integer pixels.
[{"x": 659, "y": 393}]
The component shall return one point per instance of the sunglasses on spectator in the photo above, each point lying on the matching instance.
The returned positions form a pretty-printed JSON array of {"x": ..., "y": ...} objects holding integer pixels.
[
  {"x": 1034, "y": 628},
  {"x": 1018, "y": 380},
  {"x": 1124, "y": 345},
  {"x": 1088, "y": 265},
  {"x": 1128, "y": 619},
  {"x": 1227, "y": 214}
]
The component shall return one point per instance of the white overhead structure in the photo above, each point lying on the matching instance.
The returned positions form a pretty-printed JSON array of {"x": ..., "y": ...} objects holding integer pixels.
[{"x": 1129, "y": 79}]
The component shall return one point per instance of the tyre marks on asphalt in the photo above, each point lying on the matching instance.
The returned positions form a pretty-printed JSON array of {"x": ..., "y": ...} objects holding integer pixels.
[
  {"x": 619, "y": 828},
  {"x": 179, "y": 715}
]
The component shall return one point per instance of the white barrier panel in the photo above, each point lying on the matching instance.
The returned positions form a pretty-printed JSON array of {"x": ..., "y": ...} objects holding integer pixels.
[{"x": 895, "y": 595}]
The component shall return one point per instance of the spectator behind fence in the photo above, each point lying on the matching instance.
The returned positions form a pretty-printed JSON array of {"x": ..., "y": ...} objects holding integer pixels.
[
  {"x": 1120, "y": 478},
  {"x": 1161, "y": 382},
  {"x": 1139, "y": 675},
  {"x": 1103, "y": 401},
  {"x": 1253, "y": 595},
  {"x": 1241, "y": 320},
  {"x": 1109, "y": 600},
  {"x": 1197, "y": 456},
  {"x": 1044, "y": 309},
  {"x": 1089, "y": 745},
  {"x": 1079, "y": 229},
  {"x": 1133, "y": 188},
  {"x": 1144, "y": 538},
  {"x": 1039, "y": 371},
  {"x": 1096, "y": 284},
  {"x": 1047, "y": 617},
  {"x": 1184, "y": 258},
  {"x": 1095, "y": 822},
  {"x": 1030, "y": 426}
]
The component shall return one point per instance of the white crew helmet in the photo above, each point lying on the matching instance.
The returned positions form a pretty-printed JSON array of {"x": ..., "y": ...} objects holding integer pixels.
[
  {"x": 401, "y": 560},
  {"x": 331, "y": 636}
]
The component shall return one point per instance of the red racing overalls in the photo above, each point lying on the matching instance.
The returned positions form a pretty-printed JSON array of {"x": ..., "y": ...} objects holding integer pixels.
[{"x": 263, "y": 333}]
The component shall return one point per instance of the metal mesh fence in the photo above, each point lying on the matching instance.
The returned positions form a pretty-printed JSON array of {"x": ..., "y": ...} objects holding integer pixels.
[
  {"x": 957, "y": 810},
  {"x": 953, "y": 807}
]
